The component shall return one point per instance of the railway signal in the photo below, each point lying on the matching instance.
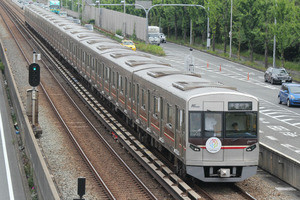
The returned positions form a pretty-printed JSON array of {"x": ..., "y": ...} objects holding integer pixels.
[
  {"x": 34, "y": 74},
  {"x": 81, "y": 188}
]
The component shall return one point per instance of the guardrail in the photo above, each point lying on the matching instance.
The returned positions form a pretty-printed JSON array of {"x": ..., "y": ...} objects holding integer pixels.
[
  {"x": 280, "y": 165},
  {"x": 44, "y": 184}
]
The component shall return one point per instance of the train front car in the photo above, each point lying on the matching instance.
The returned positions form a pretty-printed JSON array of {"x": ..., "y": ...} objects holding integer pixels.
[{"x": 222, "y": 139}]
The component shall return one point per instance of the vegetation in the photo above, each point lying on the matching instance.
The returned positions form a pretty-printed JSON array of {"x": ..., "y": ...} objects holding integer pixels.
[
  {"x": 252, "y": 32},
  {"x": 154, "y": 49},
  {"x": 1, "y": 66}
]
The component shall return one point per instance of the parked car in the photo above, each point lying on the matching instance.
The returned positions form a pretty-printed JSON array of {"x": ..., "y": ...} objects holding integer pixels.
[
  {"x": 154, "y": 38},
  {"x": 162, "y": 38},
  {"x": 129, "y": 43},
  {"x": 277, "y": 75},
  {"x": 289, "y": 94}
]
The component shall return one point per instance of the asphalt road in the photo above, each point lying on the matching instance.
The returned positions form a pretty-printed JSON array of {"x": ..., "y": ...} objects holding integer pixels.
[{"x": 279, "y": 125}]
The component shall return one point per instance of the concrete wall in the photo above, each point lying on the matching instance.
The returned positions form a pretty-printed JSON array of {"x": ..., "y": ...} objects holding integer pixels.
[
  {"x": 112, "y": 21},
  {"x": 43, "y": 182},
  {"x": 280, "y": 165}
]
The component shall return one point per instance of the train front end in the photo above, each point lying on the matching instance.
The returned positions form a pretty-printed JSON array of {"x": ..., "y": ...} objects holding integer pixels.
[{"x": 222, "y": 137}]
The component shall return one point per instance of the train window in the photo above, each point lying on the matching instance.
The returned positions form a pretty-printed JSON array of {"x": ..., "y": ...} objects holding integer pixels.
[
  {"x": 161, "y": 108},
  {"x": 143, "y": 98},
  {"x": 182, "y": 121},
  {"x": 169, "y": 114},
  {"x": 177, "y": 118},
  {"x": 117, "y": 80},
  {"x": 113, "y": 79},
  {"x": 156, "y": 106},
  {"x": 126, "y": 83},
  {"x": 133, "y": 92},
  {"x": 107, "y": 77},
  {"x": 148, "y": 100},
  {"x": 121, "y": 84},
  {"x": 195, "y": 124},
  {"x": 137, "y": 94},
  {"x": 98, "y": 69},
  {"x": 83, "y": 56},
  {"x": 212, "y": 124},
  {"x": 87, "y": 59},
  {"x": 130, "y": 90},
  {"x": 91, "y": 61},
  {"x": 241, "y": 125}
]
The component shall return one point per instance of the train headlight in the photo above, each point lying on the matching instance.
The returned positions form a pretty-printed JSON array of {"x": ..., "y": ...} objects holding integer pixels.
[
  {"x": 251, "y": 148},
  {"x": 193, "y": 147}
]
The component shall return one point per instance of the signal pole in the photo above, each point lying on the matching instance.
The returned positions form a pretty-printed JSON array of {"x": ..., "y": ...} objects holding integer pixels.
[{"x": 34, "y": 81}]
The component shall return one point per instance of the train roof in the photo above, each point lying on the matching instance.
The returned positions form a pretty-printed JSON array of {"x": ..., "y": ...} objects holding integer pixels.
[
  {"x": 108, "y": 48},
  {"x": 184, "y": 85}
]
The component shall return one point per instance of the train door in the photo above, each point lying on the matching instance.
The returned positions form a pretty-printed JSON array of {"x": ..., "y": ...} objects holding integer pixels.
[
  {"x": 97, "y": 73},
  {"x": 179, "y": 134},
  {"x": 169, "y": 125},
  {"x": 213, "y": 127},
  {"x": 143, "y": 108},
  {"x": 155, "y": 117}
]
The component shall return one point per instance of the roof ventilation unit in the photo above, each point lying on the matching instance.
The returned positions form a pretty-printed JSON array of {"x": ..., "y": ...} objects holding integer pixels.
[{"x": 89, "y": 27}]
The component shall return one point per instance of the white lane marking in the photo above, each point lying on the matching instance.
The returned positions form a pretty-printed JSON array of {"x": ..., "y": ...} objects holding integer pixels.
[
  {"x": 271, "y": 138},
  {"x": 285, "y": 189},
  {"x": 10, "y": 189},
  {"x": 291, "y": 147}
]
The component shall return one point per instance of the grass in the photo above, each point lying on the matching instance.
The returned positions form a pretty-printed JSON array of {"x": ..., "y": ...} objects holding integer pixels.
[{"x": 1, "y": 67}]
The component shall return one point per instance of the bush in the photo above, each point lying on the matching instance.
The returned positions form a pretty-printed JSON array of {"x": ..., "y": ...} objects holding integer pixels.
[
  {"x": 91, "y": 21},
  {"x": 119, "y": 32},
  {"x": 1, "y": 67},
  {"x": 154, "y": 49}
]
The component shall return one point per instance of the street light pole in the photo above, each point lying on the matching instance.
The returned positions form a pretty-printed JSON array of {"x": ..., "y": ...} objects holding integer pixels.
[
  {"x": 230, "y": 33},
  {"x": 274, "y": 46},
  {"x": 208, "y": 40}
]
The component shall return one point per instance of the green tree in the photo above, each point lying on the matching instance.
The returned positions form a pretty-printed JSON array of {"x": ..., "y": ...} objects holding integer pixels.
[
  {"x": 287, "y": 27},
  {"x": 249, "y": 16}
]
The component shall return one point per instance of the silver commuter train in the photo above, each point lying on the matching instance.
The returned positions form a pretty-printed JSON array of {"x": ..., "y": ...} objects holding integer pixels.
[{"x": 209, "y": 131}]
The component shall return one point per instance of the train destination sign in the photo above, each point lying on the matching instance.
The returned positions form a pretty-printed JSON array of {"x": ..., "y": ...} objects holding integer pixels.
[{"x": 239, "y": 105}]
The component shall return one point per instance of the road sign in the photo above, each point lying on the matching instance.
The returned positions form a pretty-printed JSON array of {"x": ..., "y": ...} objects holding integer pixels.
[{"x": 34, "y": 74}]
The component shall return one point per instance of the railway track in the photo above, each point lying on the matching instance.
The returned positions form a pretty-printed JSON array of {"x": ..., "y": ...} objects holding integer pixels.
[
  {"x": 173, "y": 184},
  {"x": 60, "y": 99}
]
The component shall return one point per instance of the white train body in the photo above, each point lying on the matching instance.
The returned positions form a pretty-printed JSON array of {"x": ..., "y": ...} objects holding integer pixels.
[{"x": 192, "y": 118}]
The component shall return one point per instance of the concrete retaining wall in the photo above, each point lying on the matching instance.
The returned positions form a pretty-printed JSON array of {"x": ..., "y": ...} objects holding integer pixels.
[
  {"x": 43, "y": 182},
  {"x": 281, "y": 166},
  {"x": 112, "y": 21}
]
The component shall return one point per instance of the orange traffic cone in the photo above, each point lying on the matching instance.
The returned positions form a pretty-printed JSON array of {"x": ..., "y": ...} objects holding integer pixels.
[{"x": 248, "y": 76}]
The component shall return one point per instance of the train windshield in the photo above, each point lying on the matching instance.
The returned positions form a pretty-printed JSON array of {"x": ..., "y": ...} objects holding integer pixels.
[
  {"x": 241, "y": 125},
  {"x": 212, "y": 124},
  {"x": 195, "y": 124}
]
